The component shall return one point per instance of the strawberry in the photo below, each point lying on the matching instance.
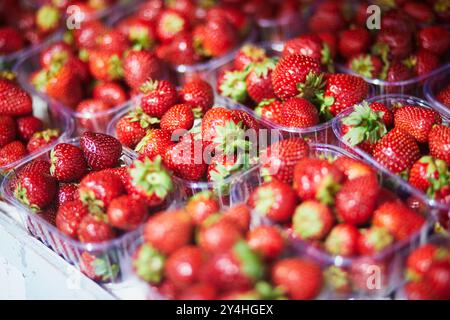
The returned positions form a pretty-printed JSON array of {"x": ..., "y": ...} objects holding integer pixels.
[
  {"x": 139, "y": 66},
  {"x": 343, "y": 240},
  {"x": 234, "y": 15},
  {"x": 149, "y": 180},
  {"x": 299, "y": 113},
  {"x": 80, "y": 68},
  {"x": 398, "y": 45},
  {"x": 316, "y": 179},
  {"x": 8, "y": 130},
  {"x": 41, "y": 139},
  {"x": 240, "y": 215},
  {"x": 258, "y": 80},
  {"x": 443, "y": 96},
  {"x": 183, "y": 267},
  {"x": 168, "y": 231},
  {"x": 67, "y": 163},
  {"x": 439, "y": 142},
  {"x": 69, "y": 217},
  {"x": 438, "y": 279},
  {"x": 397, "y": 71},
  {"x": 93, "y": 230},
  {"x": 198, "y": 94},
  {"x": 98, "y": 268},
  {"x": 270, "y": 110},
  {"x": 267, "y": 241},
  {"x": 420, "y": 12},
  {"x": 312, "y": 220},
  {"x": 326, "y": 20},
  {"x": 159, "y": 96},
  {"x": 300, "y": 279},
  {"x": 133, "y": 127},
  {"x": 100, "y": 150},
  {"x": 216, "y": 37},
  {"x": 127, "y": 212},
  {"x": 218, "y": 236},
  {"x": 401, "y": 221},
  {"x": 366, "y": 65},
  {"x": 419, "y": 261},
  {"x": 419, "y": 290},
  {"x": 148, "y": 264},
  {"x": 155, "y": 142},
  {"x": 88, "y": 109},
  {"x": 373, "y": 240},
  {"x": 11, "y": 40},
  {"x": 12, "y": 152},
  {"x": 224, "y": 166},
  {"x": 27, "y": 126},
  {"x": 274, "y": 200},
  {"x": 106, "y": 66},
  {"x": 353, "y": 168},
  {"x": 232, "y": 84},
  {"x": 58, "y": 52},
  {"x": 423, "y": 62},
  {"x": 111, "y": 93},
  {"x": 202, "y": 205},
  {"x": 140, "y": 33},
  {"x": 247, "y": 120},
  {"x": 14, "y": 101},
  {"x": 353, "y": 42},
  {"x": 181, "y": 51},
  {"x": 296, "y": 75},
  {"x": 428, "y": 174},
  {"x": 357, "y": 199},
  {"x": 247, "y": 54},
  {"x": 310, "y": 45},
  {"x": 434, "y": 39},
  {"x": 112, "y": 41},
  {"x": 97, "y": 189},
  {"x": 396, "y": 151},
  {"x": 36, "y": 190},
  {"x": 341, "y": 92},
  {"x": 178, "y": 117},
  {"x": 67, "y": 192},
  {"x": 199, "y": 291},
  {"x": 170, "y": 23}
]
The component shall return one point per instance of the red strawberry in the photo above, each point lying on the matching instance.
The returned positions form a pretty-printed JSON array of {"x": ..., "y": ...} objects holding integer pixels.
[
  {"x": 218, "y": 236},
  {"x": 98, "y": 268},
  {"x": 397, "y": 71},
  {"x": 312, "y": 220},
  {"x": 353, "y": 42},
  {"x": 140, "y": 33},
  {"x": 198, "y": 94},
  {"x": 438, "y": 279},
  {"x": 396, "y": 151},
  {"x": 148, "y": 264},
  {"x": 42, "y": 139},
  {"x": 434, "y": 39},
  {"x": 374, "y": 240},
  {"x": 181, "y": 50},
  {"x": 299, "y": 113},
  {"x": 127, "y": 212},
  {"x": 158, "y": 97},
  {"x": 278, "y": 160},
  {"x": 132, "y": 128},
  {"x": 353, "y": 168},
  {"x": 247, "y": 120},
  {"x": 183, "y": 267},
  {"x": 8, "y": 130},
  {"x": 92, "y": 230},
  {"x": 423, "y": 62},
  {"x": 170, "y": 23},
  {"x": 234, "y": 15},
  {"x": 240, "y": 215},
  {"x": 398, "y": 219},
  {"x": 397, "y": 44},
  {"x": 199, "y": 291},
  {"x": 343, "y": 240},
  {"x": 155, "y": 142},
  {"x": 11, "y": 40},
  {"x": 224, "y": 166},
  {"x": 139, "y": 66},
  {"x": 216, "y": 37},
  {"x": 428, "y": 174},
  {"x": 112, "y": 41},
  {"x": 12, "y": 152},
  {"x": 300, "y": 279},
  {"x": 420, "y": 12},
  {"x": 258, "y": 80},
  {"x": 69, "y": 217},
  {"x": 67, "y": 192},
  {"x": 270, "y": 110},
  {"x": 443, "y": 96},
  {"x": 326, "y": 20},
  {"x": 27, "y": 126},
  {"x": 248, "y": 54},
  {"x": 366, "y": 65},
  {"x": 267, "y": 241},
  {"x": 296, "y": 74},
  {"x": 58, "y": 52},
  {"x": 149, "y": 180},
  {"x": 418, "y": 291},
  {"x": 310, "y": 45},
  {"x": 67, "y": 163},
  {"x": 274, "y": 200},
  {"x": 201, "y": 206},
  {"x": 86, "y": 36},
  {"x": 92, "y": 113},
  {"x": 178, "y": 117},
  {"x": 439, "y": 142},
  {"x": 80, "y": 68},
  {"x": 168, "y": 231},
  {"x": 419, "y": 261},
  {"x": 14, "y": 101},
  {"x": 101, "y": 151},
  {"x": 105, "y": 66},
  {"x": 111, "y": 93},
  {"x": 36, "y": 190}
]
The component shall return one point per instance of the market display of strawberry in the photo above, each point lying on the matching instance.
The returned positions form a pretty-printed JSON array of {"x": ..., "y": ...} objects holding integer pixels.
[
  {"x": 219, "y": 257},
  {"x": 21, "y": 132},
  {"x": 291, "y": 91},
  {"x": 407, "y": 139},
  {"x": 427, "y": 271}
]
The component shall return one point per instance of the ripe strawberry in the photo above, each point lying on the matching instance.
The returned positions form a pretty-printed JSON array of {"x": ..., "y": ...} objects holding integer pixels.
[
  {"x": 300, "y": 279},
  {"x": 312, "y": 220},
  {"x": 366, "y": 65},
  {"x": 267, "y": 241},
  {"x": 443, "y": 96},
  {"x": 374, "y": 240},
  {"x": 435, "y": 39},
  {"x": 247, "y": 54},
  {"x": 353, "y": 168},
  {"x": 58, "y": 52},
  {"x": 310, "y": 45},
  {"x": 149, "y": 180},
  {"x": 279, "y": 159},
  {"x": 234, "y": 15},
  {"x": 132, "y": 128},
  {"x": 41, "y": 139},
  {"x": 35, "y": 166},
  {"x": 181, "y": 50},
  {"x": 199, "y": 291},
  {"x": 12, "y": 152},
  {"x": 69, "y": 217},
  {"x": 93, "y": 230},
  {"x": 139, "y": 66},
  {"x": 36, "y": 190},
  {"x": 398, "y": 219},
  {"x": 218, "y": 236},
  {"x": 183, "y": 267},
  {"x": 296, "y": 74},
  {"x": 397, "y": 71},
  {"x": 127, "y": 212},
  {"x": 111, "y": 93},
  {"x": 258, "y": 80},
  {"x": 353, "y": 42},
  {"x": 98, "y": 268},
  {"x": 240, "y": 215},
  {"x": 270, "y": 110},
  {"x": 274, "y": 200},
  {"x": 202, "y": 205},
  {"x": 80, "y": 68},
  {"x": 438, "y": 279},
  {"x": 91, "y": 113},
  {"x": 326, "y": 21},
  {"x": 247, "y": 120},
  {"x": 168, "y": 231},
  {"x": 178, "y": 117},
  {"x": 67, "y": 163},
  {"x": 112, "y": 41},
  {"x": 106, "y": 66},
  {"x": 396, "y": 151},
  {"x": 27, "y": 126},
  {"x": 224, "y": 166},
  {"x": 419, "y": 261},
  {"x": 343, "y": 240},
  {"x": 216, "y": 37},
  {"x": 397, "y": 44},
  {"x": 155, "y": 142},
  {"x": 428, "y": 174},
  {"x": 14, "y": 101},
  {"x": 170, "y": 23},
  {"x": 316, "y": 179},
  {"x": 419, "y": 290},
  {"x": 140, "y": 33},
  {"x": 299, "y": 113},
  {"x": 11, "y": 40},
  {"x": 67, "y": 192},
  {"x": 100, "y": 150},
  {"x": 423, "y": 62},
  {"x": 420, "y": 12},
  {"x": 8, "y": 130},
  {"x": 198, "y": 94},
  {"x": 159, "y": 96},
  {"x": 439, "y": 142}
]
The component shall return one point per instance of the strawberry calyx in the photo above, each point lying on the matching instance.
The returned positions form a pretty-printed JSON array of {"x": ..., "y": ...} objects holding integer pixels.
[
  {"x": 83, "y": 55},
  {"x": 20, "y": 193},
  {"x": 326, "y": 59},
  {"x": 307, "y": 224},
  {"x": 262, "y": 68},
  {"x": 253, "y": 52},
  {"x": 337, "y": 279},
  {"x": 40, "y": 79},
  {"x": 103, "y": 269},
  {"x": 365, "y": 125},
  {"x": 115, "y": 69},
  {"x": 222, "y": 172},
  {"x": 47, "y": 18},
  {"x": 379, "y": 238},
  {"x": 140, "y": 38},
  {"x": 172, "y": 23},
  {"x": 313, "y": 84},
  {"x": 149, "y": 264},
  {"x": 266, "y": 291},
  {"x": 363, "y": 66},
  {"x": 250, "y": 262},
  {"x": 138, "y": 115},
  {"x": 230, "y": 138},
  {"x": 8, "y": 75},
  {"x": 234, "y": 85},
  {"x": 436, "y": 167},
  {"x": 149, "y": 86},
  {"x": 327, "y": 190},
  {"x": 47, "y": 135},
  {"x": 96, "y": 206},
  {"x": 266, "y": 199},
  {"x": 202, "y": 196}
]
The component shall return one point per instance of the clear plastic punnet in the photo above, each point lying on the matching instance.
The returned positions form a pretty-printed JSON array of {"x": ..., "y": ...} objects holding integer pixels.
[{"x": 432, "y": 88}]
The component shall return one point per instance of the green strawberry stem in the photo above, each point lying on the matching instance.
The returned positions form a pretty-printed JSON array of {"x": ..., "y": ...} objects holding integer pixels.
[
  {"x": 149, "y": 264},
  {"x": 251, "y": 263},
  {"x": 152, "y": 177},
  {"x": 234, "y": 85}
]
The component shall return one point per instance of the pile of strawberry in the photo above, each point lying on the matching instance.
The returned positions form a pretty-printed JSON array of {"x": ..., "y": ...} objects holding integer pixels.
[
  {"x": 428, "y": 273},
  {"x": 409, "y": 140},
  {"x": 21, "y": 133},
  {"x": 291, "y": 91},
  {"x": 196, "y": 252},
  {"x": 163, "y": 125},
  {"x": 413, "y": 39}
]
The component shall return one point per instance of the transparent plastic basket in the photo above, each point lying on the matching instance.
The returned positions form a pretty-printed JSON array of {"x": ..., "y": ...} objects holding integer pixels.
[
  {"x": 442, "y": 210},
  {"x": 432, "y": 88}
]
